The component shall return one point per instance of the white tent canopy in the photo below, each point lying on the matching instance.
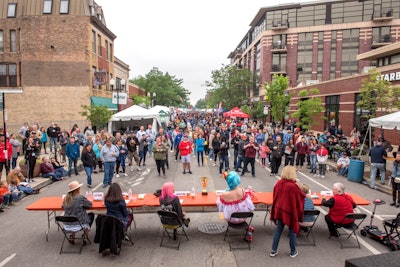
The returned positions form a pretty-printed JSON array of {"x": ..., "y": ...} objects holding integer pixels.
[
  {"x": 387, "y": 122},
  {"x": 126, "y": 118},
  {"x": 158, "y": 108}
]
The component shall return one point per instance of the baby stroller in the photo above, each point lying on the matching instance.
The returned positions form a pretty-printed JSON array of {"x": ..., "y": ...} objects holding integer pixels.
[{"x": 391, "y": 236}]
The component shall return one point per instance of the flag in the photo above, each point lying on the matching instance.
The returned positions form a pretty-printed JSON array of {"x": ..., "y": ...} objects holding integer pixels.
[{"x": 219, "y": 108}]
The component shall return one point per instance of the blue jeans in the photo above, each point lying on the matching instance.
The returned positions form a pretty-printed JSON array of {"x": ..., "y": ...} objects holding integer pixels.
[
  {"x": 223, "y": 160},
  {"x": 26, "y": 190},
  {"x": 211, "y": 153},
  {"x": 313, "y": 160},
  {"x": 53, "y": 142},
  {"x": 150, "y": 149},
  {"x": 374, "y": 169},
  {"x": 239, "y": 163},
  {"x": 89, "y": 171},
  {"x": 277, "y": 237},
  {"x": 70, "y": 162},
  {"x": 343, "y": 170},
  {"x": 108, "y": 172},
  {"x": 53, "y": 175},
  {"x": 14, "y": 163}
]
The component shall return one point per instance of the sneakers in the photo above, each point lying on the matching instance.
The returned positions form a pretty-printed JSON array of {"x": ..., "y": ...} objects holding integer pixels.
[
  {"x": 214, "y": 164},
  {"x": 294, "y": 254},
  {"x": 117, "y": 175},
  {"x": 131, "y": 169},
  {"x": 273, "y": 253},
  {"x": 125, "y": 174},
  {"x": 139, "y": 169},
  {"x": 89, "y": 186},
  {"x": 190, "y": 172},
  {"x": 323, "y": 176},
  {"x": 315, "y": 175}
]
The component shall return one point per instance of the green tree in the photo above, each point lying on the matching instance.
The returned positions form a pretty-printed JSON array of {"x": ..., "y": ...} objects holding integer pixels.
[
  {"x": 230, "y": 85},
  {"x": 246, "y": 109},
  {"x": 378, "y": 94},
  {"x": 258, "y": 110},
  {"x": 97, "y": 115},
  {"x": 276, "y": 94},
  {"x": 169, "y": 90},
  {"x": 141, "y": 100},
  {"x": 309, "y": 107},
  {"x": 201, "y": 103}
]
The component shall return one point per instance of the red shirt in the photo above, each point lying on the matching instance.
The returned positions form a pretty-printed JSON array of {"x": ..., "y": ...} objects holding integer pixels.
[{"x": 185, "y": 147}]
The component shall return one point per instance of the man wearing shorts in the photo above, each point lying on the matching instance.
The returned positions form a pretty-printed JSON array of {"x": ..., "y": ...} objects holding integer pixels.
[
  {"x": 185, "y": 148},
  {"x": 131, "y": 143}
]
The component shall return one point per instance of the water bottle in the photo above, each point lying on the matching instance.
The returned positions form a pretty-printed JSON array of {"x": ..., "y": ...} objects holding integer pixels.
[
  {"x": 130, "y": 193},
  {"x": 192, "y": 192}
]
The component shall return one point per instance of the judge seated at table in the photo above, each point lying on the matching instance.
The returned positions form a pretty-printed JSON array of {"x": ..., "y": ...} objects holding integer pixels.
[
  {"x": 234, "y": 199},
  {"x": 339, "y": 205},
  {"x": 170, "y": 202}
]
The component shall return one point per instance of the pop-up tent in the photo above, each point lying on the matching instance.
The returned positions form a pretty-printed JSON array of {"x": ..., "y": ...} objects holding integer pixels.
[
  {"x": 127, "y": 118},
  {"x": 236, "y": 112}
]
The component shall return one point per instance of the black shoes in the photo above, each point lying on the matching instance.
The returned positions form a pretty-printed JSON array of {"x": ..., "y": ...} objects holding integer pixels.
[{"x": 393, "y": 204}]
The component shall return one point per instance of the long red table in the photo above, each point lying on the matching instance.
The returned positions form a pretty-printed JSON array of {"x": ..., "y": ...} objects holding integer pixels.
[{"x": 150, "y": 203}]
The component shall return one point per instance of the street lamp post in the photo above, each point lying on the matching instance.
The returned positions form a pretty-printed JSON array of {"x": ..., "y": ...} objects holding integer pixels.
[
  {"x": 117, "y": 88},
  {"x": 152, "y": 97}
]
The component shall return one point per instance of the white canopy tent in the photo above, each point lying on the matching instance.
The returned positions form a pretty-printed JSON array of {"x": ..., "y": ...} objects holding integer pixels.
[
  {"x": 126, "y": 119},
  {"x": 158, "y": 108}
]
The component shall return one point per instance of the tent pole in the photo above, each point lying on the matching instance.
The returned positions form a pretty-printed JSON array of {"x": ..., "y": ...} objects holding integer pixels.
[{"x": 365, "y": 137}]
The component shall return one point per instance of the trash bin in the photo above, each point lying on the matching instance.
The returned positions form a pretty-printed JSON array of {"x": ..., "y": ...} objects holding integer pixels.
[{"x": 356, "y": 171}]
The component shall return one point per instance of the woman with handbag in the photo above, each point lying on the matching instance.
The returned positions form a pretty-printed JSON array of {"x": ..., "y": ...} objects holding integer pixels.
[{"x": 396, "y": 181}]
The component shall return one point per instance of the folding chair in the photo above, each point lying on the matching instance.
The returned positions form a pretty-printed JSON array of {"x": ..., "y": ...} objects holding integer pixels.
[
  {"x": 171, "y": 224},
  {"x": 268, "y": 211},
  {"x": 392, "y": 228},
  {"x": 70, "y": 226},
  {"x": 243, "y": 226},
  {"x": 315, "y": 214},
  {"x": 352, "y": 227}
]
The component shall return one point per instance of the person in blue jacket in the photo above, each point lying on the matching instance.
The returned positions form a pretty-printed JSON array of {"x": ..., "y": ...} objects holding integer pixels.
[
  {"x": 200, "y": 149},
  {"x": 72, "y": 152},
  {"x": 177, "y": 140}
]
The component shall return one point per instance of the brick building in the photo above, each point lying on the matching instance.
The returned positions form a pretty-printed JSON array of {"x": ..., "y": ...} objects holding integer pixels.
[
  {"x": 316, "y": 44},
  {"x": 60, "y": 53}
]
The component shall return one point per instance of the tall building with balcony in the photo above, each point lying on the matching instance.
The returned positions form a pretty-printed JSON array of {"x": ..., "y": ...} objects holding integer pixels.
[
  {"x": 316, "y": 43},
  {"x": 60, "y": 53}
]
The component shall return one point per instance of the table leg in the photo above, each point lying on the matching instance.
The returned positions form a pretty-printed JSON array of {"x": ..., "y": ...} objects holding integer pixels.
[{"x": 51, "y": 214}]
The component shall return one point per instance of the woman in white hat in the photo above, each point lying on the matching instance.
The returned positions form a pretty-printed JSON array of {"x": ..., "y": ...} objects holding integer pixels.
[{"x": 75, "y": 204}]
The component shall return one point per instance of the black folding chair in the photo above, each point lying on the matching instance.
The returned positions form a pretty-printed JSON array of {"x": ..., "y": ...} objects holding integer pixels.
[
  {"x": 70, "y": 234},
  {"x": 172, "y": 227},
  {"x": 309, "y": 228},
  {"x": 360, "y": 217},
  {"x": 392, "y": 228},
  {"x": 242, "y": 226}
]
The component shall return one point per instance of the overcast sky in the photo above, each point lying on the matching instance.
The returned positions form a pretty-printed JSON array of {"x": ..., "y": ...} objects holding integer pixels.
[{"x": 187, "y": 39}]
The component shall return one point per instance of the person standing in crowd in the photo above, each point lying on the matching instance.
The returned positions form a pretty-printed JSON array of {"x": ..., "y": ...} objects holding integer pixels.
[
  {"x": 313, "y": 155},
  {"x": 64, "y": 137},
  {"x": 185, "y": 149},
  {"x": 216, "y": 143},
  {"x": 132, "y": 143},
  {"x": 143, "y": 148},
  {"x": 200, "y": 149},
  {"x": 16, "y": 148},
  {"x": 395, "y": 176},
  {"x": 250, "y": 152},
  {"x": 53, "y": 132},
  {"x": 166, "y": 143},
  {"x": 241, "y": 152},
  {"x": 72, "y": 152},
  {"x": 210, "y": 145},
  {"x": 259, "y": 138},
  {"x": 339, "y": 205},
  {"x": 88, "y": 158},
  {"x": 264, "y": 151},
  {"x": 177, "y": 140},
  {"x": 22, "y": 134},
  {"x": 377, "y": 154},
  {"x": 120, "y": 162},
  {"x": 31, "y": 154},
  {"x": 290, "y": 153},
  {"x": 235, "y": 143},
  {"x": 332, "y": 129},
  {"x": 278, "y": 149},
  {"x": 223, "y": 155},
  {"x": 302, "y": 151},
  {"x": 151, "y": 135},
  {"x": 108, "y": 155},
  {"x": 160, "y": 154},
  {"x": 287, "y": 209},
  {"x": 322, "y": 159},
  {"x": 43, "y": 139},
  {"x": 97, "y": 146}
]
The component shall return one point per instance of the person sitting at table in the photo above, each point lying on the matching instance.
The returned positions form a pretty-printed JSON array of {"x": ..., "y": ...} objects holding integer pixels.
[
  {"x": 287, "y": 209},
  {"x": 169, "y": 201},
  {"x": 343, "y": 164},
  {"x": 75, "y": 204},
  {"x": 308, "y": 205},
  {"x": 116, "y": 206},
  {"x": 339, "y": 205},
  {"x": 234, "y": 199}
]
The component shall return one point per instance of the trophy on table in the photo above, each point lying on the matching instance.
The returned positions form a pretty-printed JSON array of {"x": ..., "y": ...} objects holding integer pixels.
[{"x": 204, "y": 181}]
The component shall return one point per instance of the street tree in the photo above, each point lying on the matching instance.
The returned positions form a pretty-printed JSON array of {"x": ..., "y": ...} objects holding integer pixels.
[
  {"x": 308, "y": 108},
  {"x": 277, "y": 96},
  {"x": 140, "y": 100},
  {"x": 97, "y": 115},
  {"x": 169, "y": 89},
  {"x": 378, "y": 94},
  {"x": 230, "y": 85},
  {"x": 201, "y": 104}
]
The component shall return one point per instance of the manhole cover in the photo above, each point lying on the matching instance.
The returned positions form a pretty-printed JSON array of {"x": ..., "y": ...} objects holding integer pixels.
[{"x": 211, "y": 228}]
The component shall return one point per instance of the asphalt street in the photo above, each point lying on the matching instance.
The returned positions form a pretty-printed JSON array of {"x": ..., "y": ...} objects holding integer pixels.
[{"x": 24, "y": 243}]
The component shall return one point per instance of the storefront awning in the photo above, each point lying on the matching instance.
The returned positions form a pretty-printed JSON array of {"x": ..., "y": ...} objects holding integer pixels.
[{"x": 102, "y": 101}]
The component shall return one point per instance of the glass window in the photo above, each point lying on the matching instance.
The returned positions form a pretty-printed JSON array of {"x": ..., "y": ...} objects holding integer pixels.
[
  {"x": 8, "y": 75},
  {"x": 331, "y": 110},
  {"x": 47, "y": 6},
  {"x": 64, "y": 7},
  {"x": 111, "y": 53},
  {"x": 106, "y": 46},
  {"x": 12, "y": 10},
  {"x": 99, "y": 44},
  {"x": 93, "y": 41},
  {"x": 13, "y": 41},
  {"x": 1, "y": 41}
]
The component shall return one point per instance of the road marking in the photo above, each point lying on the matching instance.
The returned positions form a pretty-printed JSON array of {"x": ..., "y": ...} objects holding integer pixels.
[
  {"x": 145, "y": 172},
  {"x": 6, "y": 260},
  {"x": 135, "y": 184},
  {"x": 140, "y": 179}
]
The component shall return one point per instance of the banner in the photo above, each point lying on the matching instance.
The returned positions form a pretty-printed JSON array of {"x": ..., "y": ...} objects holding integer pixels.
[{"x": 100, "y": 78}]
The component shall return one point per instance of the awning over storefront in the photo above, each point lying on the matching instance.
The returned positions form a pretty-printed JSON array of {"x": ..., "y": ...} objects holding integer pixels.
[{"x": 102, "y": 101}]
